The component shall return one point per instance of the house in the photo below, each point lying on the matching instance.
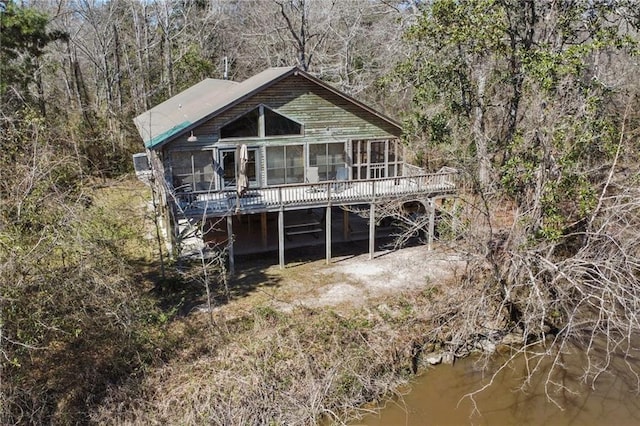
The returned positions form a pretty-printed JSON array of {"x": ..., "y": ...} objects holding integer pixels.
[{"x": 281, "y": 147}]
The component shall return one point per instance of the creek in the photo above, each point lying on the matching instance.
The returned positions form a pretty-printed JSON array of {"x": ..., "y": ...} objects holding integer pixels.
[{"x": 437, "y": 396}]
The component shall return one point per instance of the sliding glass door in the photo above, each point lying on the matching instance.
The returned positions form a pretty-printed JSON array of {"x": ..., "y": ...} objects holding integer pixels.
[
  {"x": 285, "y": 164},
  {"x": 328, "y": 158},
  {"x": 230, "y": 165}
]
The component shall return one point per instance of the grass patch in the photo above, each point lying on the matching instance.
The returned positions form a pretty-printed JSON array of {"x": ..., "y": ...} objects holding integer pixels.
[{"x": 270, "y": 367}]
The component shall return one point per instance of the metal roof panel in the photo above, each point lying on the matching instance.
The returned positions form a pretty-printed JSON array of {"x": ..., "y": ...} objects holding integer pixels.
[
  {"x": 177, "y": 114},
  {"x": 210, "y": 97}
]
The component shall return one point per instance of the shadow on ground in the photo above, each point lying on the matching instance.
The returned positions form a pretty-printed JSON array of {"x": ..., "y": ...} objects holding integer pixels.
[{"x": 183, "y": 290}]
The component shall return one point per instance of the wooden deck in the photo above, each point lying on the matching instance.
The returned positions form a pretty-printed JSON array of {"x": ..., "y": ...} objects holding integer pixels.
[{"x": 333, "y": 193}]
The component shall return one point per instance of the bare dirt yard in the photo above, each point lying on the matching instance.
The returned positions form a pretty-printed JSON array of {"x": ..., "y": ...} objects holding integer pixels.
[{"x": 348, "y": 281}]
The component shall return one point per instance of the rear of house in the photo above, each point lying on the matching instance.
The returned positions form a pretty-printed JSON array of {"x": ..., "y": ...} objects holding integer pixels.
[{"x": 279, "y": 142}]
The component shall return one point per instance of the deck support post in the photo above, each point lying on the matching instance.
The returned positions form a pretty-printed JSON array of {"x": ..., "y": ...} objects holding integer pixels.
[
  {"x": 232, "y": 262},
  {"x": 281, "y": 237},
  {"x": 327, "y": 225},
  {"x": 454, "y": 216},
  {"x": 432, "y": 219},
  {"x": 372, "y": 230},
  {"x": 263, "y": 228},
  {"x": 345, "y": 225}
]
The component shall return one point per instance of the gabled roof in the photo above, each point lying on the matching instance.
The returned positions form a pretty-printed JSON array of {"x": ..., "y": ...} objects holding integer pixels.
[
  {"x": 180, "y": 112},
  {"x": 211, "y": 97}
]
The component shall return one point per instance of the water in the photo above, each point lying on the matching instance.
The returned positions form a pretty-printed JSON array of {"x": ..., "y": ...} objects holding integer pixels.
[{"x": 437, "y": 397}]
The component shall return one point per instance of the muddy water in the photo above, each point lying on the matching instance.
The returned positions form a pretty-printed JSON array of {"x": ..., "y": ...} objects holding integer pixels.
[{"x": 437, "y": 397}]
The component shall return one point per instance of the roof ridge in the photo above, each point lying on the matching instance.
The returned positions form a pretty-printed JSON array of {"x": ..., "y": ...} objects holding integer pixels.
[{"x": 211, "y": 96}]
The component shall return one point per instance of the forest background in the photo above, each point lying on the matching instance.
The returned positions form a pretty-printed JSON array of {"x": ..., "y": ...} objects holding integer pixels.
[{"x": 535, "y": 102}]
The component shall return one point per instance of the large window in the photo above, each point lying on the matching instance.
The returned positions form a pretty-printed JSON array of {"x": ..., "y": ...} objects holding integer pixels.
[
  {"x": 374, "y": 159},
  {"x": 260, "y": 122},
  {"x": 285, "y": 164},
  {"x": 328, "y": 157},
  {"x": 245, "y": 126},
  {"x": 279, "y": 125},
  {"x": 192, "y": 170}
]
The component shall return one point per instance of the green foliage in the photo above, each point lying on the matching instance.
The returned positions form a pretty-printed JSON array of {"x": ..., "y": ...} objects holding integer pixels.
[
  {"x": 521, "y": 78},
  {"x": 449, "y": 72},
  {"x": 41, "y": 179},
  {"x": 435, "y": 130},
  {"x": 518, "y": 173},
  {"x": 74, "y": 315},
  {"x": 450, "y": 222},
  {"x": 24, "y": 37},
  {"x": 193, "y": 67},
  {"x": 430, "y": 292},
  {"x": 450, "y": 37},
  {"x": 268, "y": 314}
]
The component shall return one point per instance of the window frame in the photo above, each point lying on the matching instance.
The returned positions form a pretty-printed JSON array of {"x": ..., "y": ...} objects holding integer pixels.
[
  {"x": 363, "y": 168},
  {"x": 286, "y": 176},
  {"x": 254, "y": 182},
  {"x": 261, "y": 125},
  {"x": 189, "y": 182},
  {"x": 243, "y": 116},
  {"x": 330, "y": 166}
]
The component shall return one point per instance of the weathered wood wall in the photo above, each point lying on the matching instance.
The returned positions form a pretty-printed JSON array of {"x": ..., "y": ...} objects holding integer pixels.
[{"x": 326, "y": 117}]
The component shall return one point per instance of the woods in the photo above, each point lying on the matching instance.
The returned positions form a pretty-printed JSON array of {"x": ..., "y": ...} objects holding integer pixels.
[
  {"x": 539, "y": 101},
  {"x": 536, "y": 102}
]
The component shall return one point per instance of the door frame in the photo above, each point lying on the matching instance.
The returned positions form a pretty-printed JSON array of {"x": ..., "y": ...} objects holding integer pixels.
[{"x": 222, "y": 152}]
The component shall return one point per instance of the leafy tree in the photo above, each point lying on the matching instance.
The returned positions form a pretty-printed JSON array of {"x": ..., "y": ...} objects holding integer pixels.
[
  {"x": 24, "y": 37},
  {"x": 539, "y": 102},
  {"x": 475, "y": 65}
]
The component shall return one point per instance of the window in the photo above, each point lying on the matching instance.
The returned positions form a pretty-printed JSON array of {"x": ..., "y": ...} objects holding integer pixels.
[
  {"x": 377, "y": 150},
  {"x": 328, "y": 157},
  {"x": 373, "y": 159},
  {"x": 192, "y": 170},
  {"x": 141, "y": 162},
  {"x": 260, "y": 122},
  {"x": 245, "y": 126},
  {"x": 394, "y": 160},
  {"x": 285, "y": 164},
  {"x": 279, "y": 125}
]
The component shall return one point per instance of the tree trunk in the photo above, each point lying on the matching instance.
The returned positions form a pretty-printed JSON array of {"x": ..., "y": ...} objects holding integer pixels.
[{"x": 479, "y": 137}]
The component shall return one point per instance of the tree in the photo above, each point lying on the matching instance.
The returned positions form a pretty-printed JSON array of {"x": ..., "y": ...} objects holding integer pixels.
[
  {"x": 24, "y": 36},
  {"x": 462, "y": 58},
  {"x": 72, "y": 317},
  {"x": 348, "y": 44},
  {"x": 542, "y": 82}
]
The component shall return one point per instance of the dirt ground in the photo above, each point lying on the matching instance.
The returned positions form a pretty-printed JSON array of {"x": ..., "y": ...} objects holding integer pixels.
[{"x": 348, "y": 281}]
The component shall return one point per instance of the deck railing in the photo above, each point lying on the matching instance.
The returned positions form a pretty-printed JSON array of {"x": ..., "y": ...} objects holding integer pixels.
[{"x": 220, "y": 203}]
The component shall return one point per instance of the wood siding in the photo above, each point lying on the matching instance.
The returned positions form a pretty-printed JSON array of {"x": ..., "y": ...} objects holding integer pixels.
[{"x": 326, "y": 117}]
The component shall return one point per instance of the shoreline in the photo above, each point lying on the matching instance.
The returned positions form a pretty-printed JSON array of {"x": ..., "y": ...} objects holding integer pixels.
[{"x": 311, "y": 343}]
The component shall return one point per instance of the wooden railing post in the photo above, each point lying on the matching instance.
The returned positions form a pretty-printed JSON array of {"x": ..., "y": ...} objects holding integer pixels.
[{"x": 327, "y": 225}]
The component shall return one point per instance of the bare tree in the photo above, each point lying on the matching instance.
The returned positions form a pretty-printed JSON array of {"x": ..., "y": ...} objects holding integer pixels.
[{"x": 553, "y": 264}]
